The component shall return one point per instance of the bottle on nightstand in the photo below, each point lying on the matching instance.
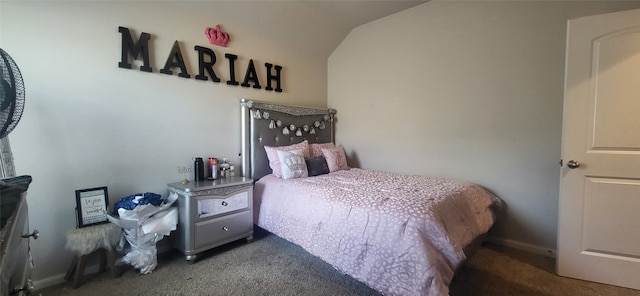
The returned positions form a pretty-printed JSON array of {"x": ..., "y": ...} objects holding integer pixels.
[
  {"x": 198, "y": 169},
  {"x": 224, "y": 168},
  {"x": 213, "y": 168}
]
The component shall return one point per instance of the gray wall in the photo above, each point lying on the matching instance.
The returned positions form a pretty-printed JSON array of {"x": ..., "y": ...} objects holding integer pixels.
[
  {"x": 464, "y": 89},
  {"x": 89, "y": 123}
]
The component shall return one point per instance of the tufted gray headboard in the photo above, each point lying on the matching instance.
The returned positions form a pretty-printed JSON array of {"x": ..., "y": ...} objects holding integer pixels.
[{"x": 260, "y": 128}]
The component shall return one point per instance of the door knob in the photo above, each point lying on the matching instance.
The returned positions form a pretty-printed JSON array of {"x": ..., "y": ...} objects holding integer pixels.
[{"x": 573, "y": 164}]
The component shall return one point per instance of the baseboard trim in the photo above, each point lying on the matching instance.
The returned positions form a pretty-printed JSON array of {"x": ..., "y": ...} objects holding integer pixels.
[
  {"x": 90, "y": 269},
  {"x": 48, "y": 282},
  {"x": 523, "y": 246},
  {"x": 59, "y": 278}
]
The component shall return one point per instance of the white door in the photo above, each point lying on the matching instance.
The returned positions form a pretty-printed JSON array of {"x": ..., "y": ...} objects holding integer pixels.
[{"x": 599, "y": 210}]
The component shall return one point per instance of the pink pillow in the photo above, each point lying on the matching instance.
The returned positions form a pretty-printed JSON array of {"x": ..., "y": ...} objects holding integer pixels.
[
  {"x": 315, "y": 149},
  {"x": 336, "y": 160},
  {"x": 274, "y": 160}
]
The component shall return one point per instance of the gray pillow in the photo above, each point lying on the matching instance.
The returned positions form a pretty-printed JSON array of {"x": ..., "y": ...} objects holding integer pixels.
[{"x": 316, "y": 166}]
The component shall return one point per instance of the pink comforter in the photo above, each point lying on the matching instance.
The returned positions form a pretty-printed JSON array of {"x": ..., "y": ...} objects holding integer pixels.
[{"x": 399, "y": 234}]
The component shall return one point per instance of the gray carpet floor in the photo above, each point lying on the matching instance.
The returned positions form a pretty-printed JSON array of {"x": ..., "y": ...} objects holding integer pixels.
[{"x": 272, "y": 266}]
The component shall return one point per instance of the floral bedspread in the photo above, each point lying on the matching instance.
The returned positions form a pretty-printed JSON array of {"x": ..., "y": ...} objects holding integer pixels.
[{"x": 399, "y": 234}]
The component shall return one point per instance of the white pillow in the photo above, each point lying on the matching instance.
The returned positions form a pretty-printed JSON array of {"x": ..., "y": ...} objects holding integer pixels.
[{"x": 293, "y": 164}]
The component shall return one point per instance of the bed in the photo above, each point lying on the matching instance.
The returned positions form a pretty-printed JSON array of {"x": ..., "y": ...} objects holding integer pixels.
[{"x": 399, "y": 234}]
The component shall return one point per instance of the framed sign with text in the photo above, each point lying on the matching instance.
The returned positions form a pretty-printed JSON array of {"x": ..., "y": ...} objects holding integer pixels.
[{"x": 91, "y": 206}]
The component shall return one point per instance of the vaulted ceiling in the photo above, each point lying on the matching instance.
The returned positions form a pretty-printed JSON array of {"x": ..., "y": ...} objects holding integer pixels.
[{"x": 314, "y": 27}]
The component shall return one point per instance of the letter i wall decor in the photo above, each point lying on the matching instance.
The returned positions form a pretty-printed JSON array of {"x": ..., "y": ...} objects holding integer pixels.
[{"x": 139, "y": 50}]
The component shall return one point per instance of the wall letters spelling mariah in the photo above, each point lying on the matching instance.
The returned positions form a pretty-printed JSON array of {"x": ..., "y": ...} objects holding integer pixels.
[{"x": 206, "y": 61}]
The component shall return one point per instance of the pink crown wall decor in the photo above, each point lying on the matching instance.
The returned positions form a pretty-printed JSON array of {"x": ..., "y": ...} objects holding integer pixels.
[{"x": 216, "y": 36}]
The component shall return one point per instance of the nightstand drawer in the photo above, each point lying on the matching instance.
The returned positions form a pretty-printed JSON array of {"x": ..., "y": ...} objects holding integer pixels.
[
  {"x": 222, "y": 228},
  {"x": 215, "y": 206}
]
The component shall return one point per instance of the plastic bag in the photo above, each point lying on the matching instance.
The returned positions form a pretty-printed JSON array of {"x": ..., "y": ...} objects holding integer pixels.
[
  {"x": 141, "y": 256},
  {"x": 143, "y": 227}
]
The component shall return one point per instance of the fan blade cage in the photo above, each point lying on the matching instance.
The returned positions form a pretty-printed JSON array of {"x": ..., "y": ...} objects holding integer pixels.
[{"x": 12, "y": 94}]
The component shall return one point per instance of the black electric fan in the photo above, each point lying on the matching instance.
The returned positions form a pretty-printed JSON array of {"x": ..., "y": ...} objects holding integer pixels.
[
  {"x": 11, "y": 107},
  {"x": 11, "y": 94}
]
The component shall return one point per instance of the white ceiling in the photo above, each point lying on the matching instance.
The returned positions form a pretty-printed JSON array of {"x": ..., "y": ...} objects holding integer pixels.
[
  {"x": 351, "y": 14},
  {"x": 307, "y": 26}
]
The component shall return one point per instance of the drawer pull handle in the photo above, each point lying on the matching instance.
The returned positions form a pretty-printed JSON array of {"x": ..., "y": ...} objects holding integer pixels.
[
  {"x": 225, "y": 228},
  {"x": 224, "y": 203},
  {"x": 27, "y": 289},
  {"x": 35, "y": 234}
]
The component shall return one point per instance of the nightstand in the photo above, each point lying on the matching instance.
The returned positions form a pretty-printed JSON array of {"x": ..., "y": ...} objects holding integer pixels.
[{"x": 212, "y": 213}]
